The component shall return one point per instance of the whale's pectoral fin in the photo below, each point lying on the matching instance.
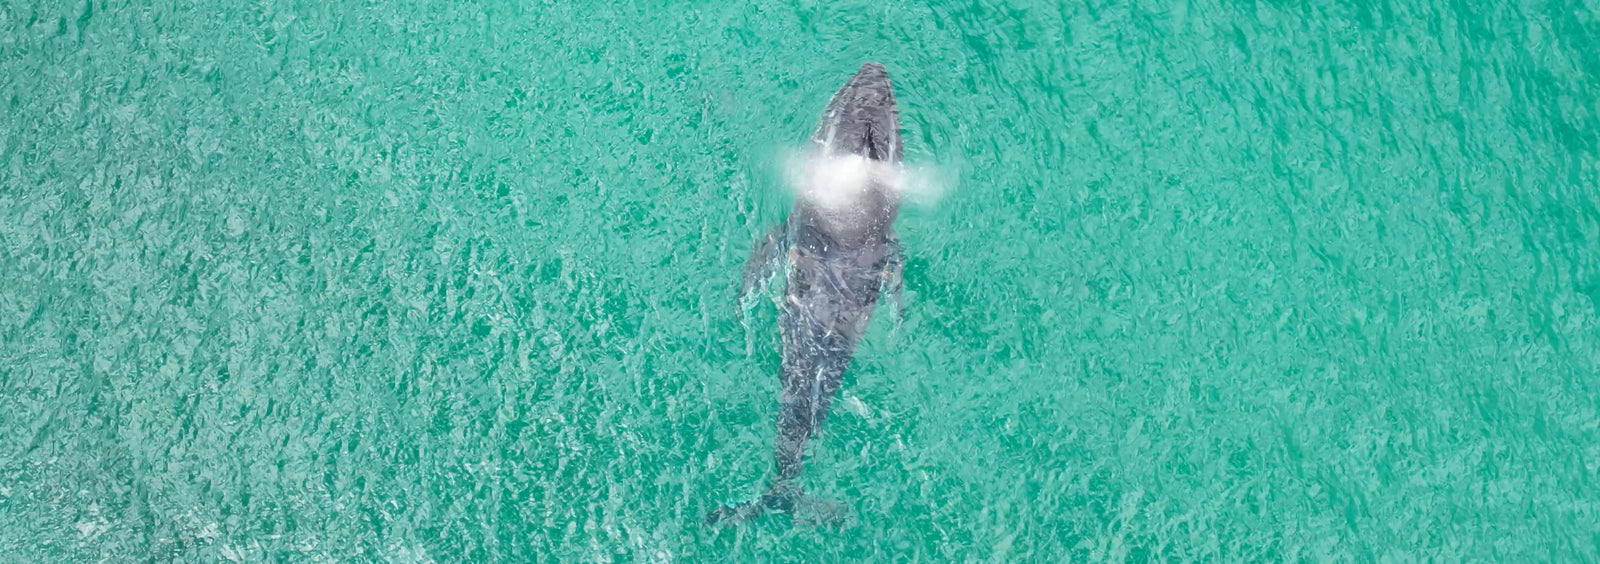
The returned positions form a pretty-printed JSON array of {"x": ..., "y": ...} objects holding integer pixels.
[
  {"x": 894, "y": 277},
  {"x": 764, "y": 260}
]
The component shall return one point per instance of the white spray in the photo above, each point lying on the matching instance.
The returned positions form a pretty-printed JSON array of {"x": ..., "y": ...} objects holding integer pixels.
[{"x": 836, "y": 182}]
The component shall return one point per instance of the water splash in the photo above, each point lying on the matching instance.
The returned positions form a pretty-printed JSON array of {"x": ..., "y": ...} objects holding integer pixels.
[{"x": 836, "y": 182}]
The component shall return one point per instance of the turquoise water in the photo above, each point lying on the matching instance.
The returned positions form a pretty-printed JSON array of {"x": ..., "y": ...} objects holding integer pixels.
[{"x": 454, "y": 281}]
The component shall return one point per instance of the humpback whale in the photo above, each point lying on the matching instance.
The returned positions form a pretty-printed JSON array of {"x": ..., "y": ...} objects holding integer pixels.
[{"x": 841, "y": 253}]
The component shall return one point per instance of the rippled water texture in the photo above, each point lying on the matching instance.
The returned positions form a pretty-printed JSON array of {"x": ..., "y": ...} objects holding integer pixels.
[{"x": 454, "y": 281}]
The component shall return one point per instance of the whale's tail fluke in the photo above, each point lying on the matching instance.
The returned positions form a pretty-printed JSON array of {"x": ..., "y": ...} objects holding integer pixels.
[
  {"x": 728, "y": 515},
  {"x": 787, "y": 499}
]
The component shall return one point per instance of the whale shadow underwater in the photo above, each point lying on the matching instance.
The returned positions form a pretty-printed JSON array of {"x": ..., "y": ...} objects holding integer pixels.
[{"x": 838, "y": 252}]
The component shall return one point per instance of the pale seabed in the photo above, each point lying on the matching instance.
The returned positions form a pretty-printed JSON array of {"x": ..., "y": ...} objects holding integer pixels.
[{"x": 439, "y": 281}]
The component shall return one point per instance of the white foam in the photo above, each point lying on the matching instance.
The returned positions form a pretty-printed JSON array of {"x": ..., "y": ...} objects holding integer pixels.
[
  {"x": 925, "y": 184},
  {"x": 837, "y": 183}
]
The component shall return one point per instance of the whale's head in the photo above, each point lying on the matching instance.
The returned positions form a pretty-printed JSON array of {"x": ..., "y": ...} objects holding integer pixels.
[
  {"x": 849, "y": 184},
  {"x": 861, "y": 120}
]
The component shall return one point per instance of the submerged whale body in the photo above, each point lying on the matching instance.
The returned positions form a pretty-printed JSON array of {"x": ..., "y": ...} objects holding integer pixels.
[{"x": 841, "y": 252}]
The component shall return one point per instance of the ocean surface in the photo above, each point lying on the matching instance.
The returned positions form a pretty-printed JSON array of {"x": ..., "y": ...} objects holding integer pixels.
[{"x": 454, "y": 281}]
